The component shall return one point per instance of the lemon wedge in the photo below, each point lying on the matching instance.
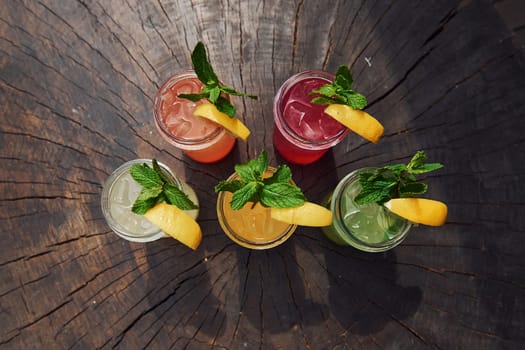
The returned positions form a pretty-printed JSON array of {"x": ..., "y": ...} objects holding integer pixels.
[
  {"x": 356, "y": 120},
  {"x": 419, "y": 210},
  {"x": 233, "y": 125},
  {"x": 176, "y": 223},
  {"x": 308, "y": 214}
]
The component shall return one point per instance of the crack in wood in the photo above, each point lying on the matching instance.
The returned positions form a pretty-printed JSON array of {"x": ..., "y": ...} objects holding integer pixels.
[
  {"x": 295, "y": 303},
  {"x": 295, "y": 32},
  {"x": 94, "y": 49},
  {"x": 402, "y": 80},
  {"x": 442, "y": 24},
  {"x": 76, "y": 85},
  {"x": 367, "y": 40}
]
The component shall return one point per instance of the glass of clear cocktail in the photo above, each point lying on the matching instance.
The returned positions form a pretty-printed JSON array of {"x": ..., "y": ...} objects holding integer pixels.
[
  {"x": 303, "y": 133},
  {"x": 120, "y": 192}
]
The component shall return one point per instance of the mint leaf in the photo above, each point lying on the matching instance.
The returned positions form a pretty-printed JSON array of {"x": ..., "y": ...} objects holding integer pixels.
[
  {"x": 246, "y": 172},
  {"x": 323, "y": 100},
  {"x": 426, "y": 168},
  {"x": 212, "y": 89},
  {"x": 396, "y": 167},
  {"x": 243, "y": 195},
  {"x": 339, "y": 91},
  {"x": 225, "y": 106},
  {"x": 411, "y": 189},
  {"x": 274, "y": 191},
  {"x": 149, "y": 193},
  {"x": 283, "y": 173},
  {"x": 145, "y": 176},
  {"x": 328, "y": 90},
  {"x": 417, "y": 159},
  {"x": 260, "y": 164},
  {"x": 229, "y": 186},
  {"x": 146, "y": 199},
  {"x": 343, "y": 77},
  {"x": 175, "y": 196},
  {"x": 202, "y": 67},
  {"x": 417, "y": 164},
  {"x": 394, "y": 181},
  {"x": 356, "y": 100},
  {"x": 281, "y": 195},
  {"x": 142, "y": 206},
  {"x": 193, "y": 97},
  {"x": 378, "y": 191},
  {"x": 230, "y": 91},
  {"x": 156, "y": 188},
  {"x": 158, "y": 170},
  {"x": 213, "y": 93}
]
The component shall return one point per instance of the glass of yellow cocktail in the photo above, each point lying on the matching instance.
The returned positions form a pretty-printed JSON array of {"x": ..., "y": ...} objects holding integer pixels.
[{"x": 260, "y": 207}]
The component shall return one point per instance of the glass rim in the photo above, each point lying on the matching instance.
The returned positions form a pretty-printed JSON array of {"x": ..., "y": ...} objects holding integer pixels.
[
  {"x": 228, "y": 230},
  {"x": 105, "y": 201},
  {"x": 349, "y": 237},
  {"x": 280, "y": 122},
  {"x": 193, "y": 143}
]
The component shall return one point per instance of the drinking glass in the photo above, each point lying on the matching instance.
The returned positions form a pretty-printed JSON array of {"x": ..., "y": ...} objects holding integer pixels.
[
  {"x": 118, "y": 195},
  {"x": 251, "y": 226},
  {"x": 303, "y": 133},
  {"x": 369, "y": 227},
  {"x": 199, "y": 138}
]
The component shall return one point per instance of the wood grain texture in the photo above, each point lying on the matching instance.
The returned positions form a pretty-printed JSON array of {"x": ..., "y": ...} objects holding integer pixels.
[{"x": 77, "y": 83}]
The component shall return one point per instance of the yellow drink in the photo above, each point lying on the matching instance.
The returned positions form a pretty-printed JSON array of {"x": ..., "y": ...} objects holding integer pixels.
[{"x": 251, "y": 226}]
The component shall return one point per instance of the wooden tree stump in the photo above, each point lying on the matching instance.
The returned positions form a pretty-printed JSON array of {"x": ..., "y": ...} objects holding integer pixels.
[{"x": 77, "y": 83}]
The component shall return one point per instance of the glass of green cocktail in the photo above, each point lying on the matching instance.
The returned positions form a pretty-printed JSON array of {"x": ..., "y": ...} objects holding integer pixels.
[
  {"x": 369, "y": 227},
  {"x": 374, "y": 208}
]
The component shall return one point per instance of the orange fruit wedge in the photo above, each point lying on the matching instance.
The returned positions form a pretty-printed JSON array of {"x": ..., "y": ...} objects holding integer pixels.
[
  {"x": 233, "y": 125},
  {"x": 419, "y": 210},
  {"x": 176, "y": 223},
  {"x": 308, "y": 214},
  {"x": 356, "y": 120}
]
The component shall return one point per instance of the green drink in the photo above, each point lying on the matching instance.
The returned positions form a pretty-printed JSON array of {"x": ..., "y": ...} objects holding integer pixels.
[{"x": 369, "y": 227}]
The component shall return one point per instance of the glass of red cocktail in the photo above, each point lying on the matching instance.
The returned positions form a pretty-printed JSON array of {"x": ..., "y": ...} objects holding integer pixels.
[{"x": 303, "y": 133}]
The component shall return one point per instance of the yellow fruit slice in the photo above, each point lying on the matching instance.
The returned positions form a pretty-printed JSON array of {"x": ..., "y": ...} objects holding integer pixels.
[
  {"x": 233, "y": 125},
  {"x": 419, "y": 210},
  {"x": 356, "y": 120},
  {"x": 176, "y": 223},
  {"x": 308, "y": 214}
]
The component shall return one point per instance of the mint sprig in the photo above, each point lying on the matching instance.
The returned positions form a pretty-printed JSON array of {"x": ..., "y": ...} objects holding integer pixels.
[
  {"x": 395, "y": 181},
  {"x": 156, "y": 188},
  {"x": 339, "y": 91},
  {"x": 213, "y": 90},
  {"x": 275, "y": 191}
]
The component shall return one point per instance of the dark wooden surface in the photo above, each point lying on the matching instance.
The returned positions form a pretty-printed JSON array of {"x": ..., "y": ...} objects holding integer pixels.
[{"x": 77, "y": 82}]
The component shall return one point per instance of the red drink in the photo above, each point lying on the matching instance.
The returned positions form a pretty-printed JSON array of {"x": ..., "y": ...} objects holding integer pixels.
[
  {"x": 302, "y": 131},
  {"x": 199, "y": 138}
]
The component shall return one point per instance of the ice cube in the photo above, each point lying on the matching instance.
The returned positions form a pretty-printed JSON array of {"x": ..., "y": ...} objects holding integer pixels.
[
  {"x": 303, "y": 120},
  {"x": 294, "y": 112},
  {"x": 179, "y": 127},
  {"x": 186, "y": 87},
  {"x": 120, "y": 193},
  {"x": 303, "y": 89}
]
